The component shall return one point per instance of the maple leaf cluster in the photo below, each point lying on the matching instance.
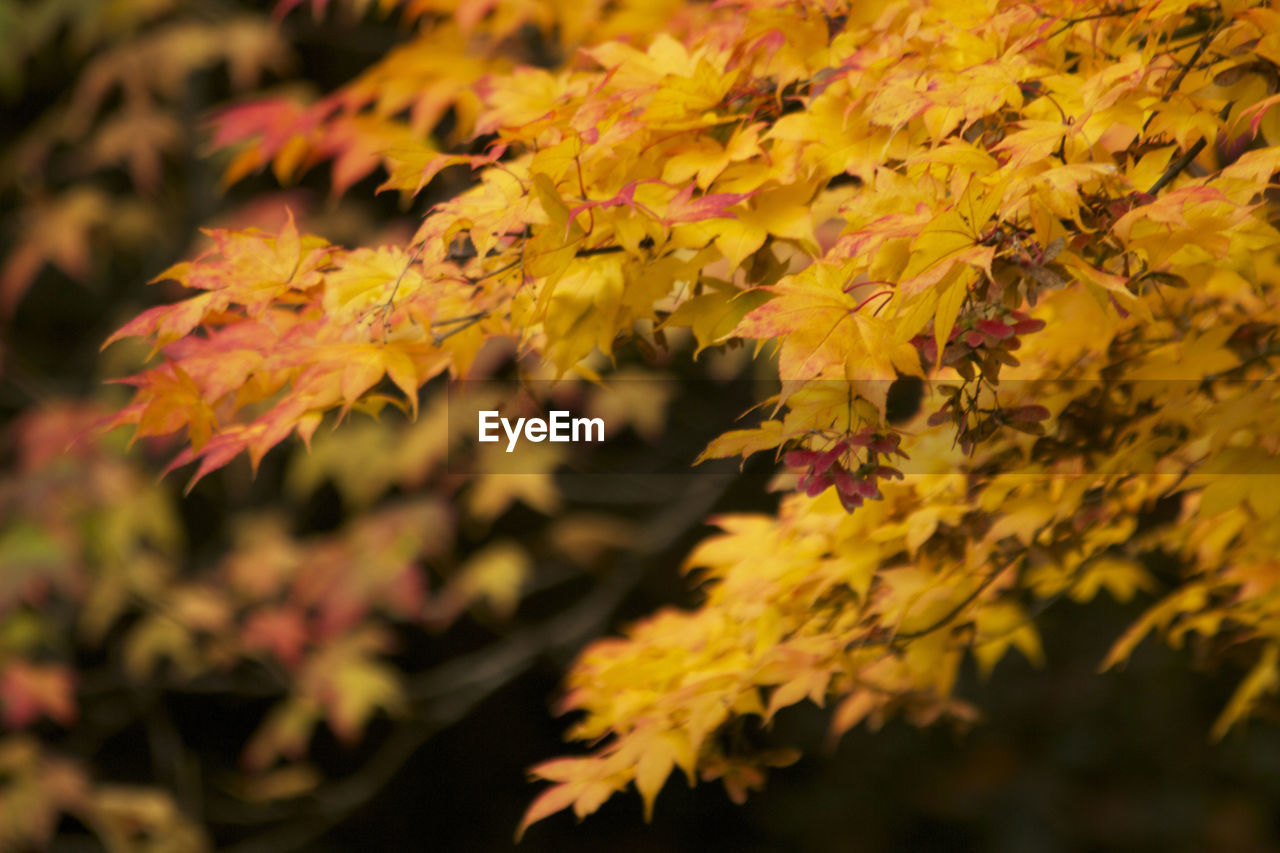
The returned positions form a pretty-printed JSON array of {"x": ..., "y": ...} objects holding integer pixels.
[
  {"x": 867, "y": 191},
  {"x": 123, "y": 114}
]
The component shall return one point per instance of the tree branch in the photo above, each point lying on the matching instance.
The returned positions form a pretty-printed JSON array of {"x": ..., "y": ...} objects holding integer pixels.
[
  {"x": 944, "y": 620},
  {"x": 1176, "y": 167},
  {"x": 1114, "y": 13},
  {"x": 450, "y": 691},
  {"x": 941, "y": 622}
]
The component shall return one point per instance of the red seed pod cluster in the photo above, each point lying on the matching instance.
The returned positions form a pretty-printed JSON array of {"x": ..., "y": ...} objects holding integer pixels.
[
  {"x": 855, "y": 477},
  {"x": 984, "y": 342}
]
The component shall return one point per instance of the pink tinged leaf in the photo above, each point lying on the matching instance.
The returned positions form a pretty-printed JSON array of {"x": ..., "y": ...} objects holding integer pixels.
[
  {"x": 284, "y": 7},
  {"x": 974, "y": 338},
  {"x": 561, "y": 769},
  {"x": 435, "y": 165},
  {"x": 591, "y": 797},
  {"x": 403, "y": 372},
  {"x": 271, "y": 429},
  {"x": 217, "y": 453},
  {"x": 852, "y": 710},
  {"x": 281, "y": 631},
  {"x": 550, "y": 801},
  {"x": 29, "y": 691},
  {"x": 274, "y": 120},
  {"x": 684, "y": 208},
  {"x": 406, "y": 596},
  {"x": 771, "y": 41},
  {"x": 288, "y": 244},
  {"x": 350, "y": 166},
  {"x": 166, "y": 322},
  {"x": 361, "y": 373},
  {"x": 1258, "y": 111},
  {"x": 624, "y": 198},
  {"x": 307, "y": 425}
]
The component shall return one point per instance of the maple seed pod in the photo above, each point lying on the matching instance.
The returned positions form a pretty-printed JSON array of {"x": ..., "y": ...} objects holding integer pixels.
[
  {"x": 886, "y": 443},
  {"x": 805, "y": 481},
  {"x": 861, "y": 439},
  {"x": 827, "y": 459},
  {"x": 818, "y": 485},
  {"x": 928, "y": 349},
  {"x": 844, "y": 481},
  {"x": 868, "y": 489},
  {"x": 1003, "y": 356},
  {"x": 799, "y": 458},
  {"x": 997, "y": 329},
  {"x": 849, "y": 502},
  {"x": 956, "y": 354},
  {"x": 1028, "y": 413}
]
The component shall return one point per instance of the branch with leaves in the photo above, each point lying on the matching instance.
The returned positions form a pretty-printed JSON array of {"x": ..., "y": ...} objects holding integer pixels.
[{"x": 1057, "y": 220}]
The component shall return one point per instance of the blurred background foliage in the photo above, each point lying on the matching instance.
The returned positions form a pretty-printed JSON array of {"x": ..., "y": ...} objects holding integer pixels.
[{"x": 358, "y": 648}]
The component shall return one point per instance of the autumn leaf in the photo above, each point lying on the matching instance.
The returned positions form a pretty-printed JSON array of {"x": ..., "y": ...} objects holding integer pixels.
[{"x": 30, "y": 691}]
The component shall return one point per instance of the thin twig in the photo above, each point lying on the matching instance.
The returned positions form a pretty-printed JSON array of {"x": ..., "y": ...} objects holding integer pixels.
[
  {"x": 386, "y": 309},
  {"x": 467, "y": 324},
  {"x": 1176, "y": 167},
  {"x": 889, "y": 641},
  {"x": 599, "y": 250},
  {"x": 1177, "y": 81},
  {"x": 1115, "y": 13},
  {"x": 465, "y": 318},
  {"x": 499, "y": 271}
]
